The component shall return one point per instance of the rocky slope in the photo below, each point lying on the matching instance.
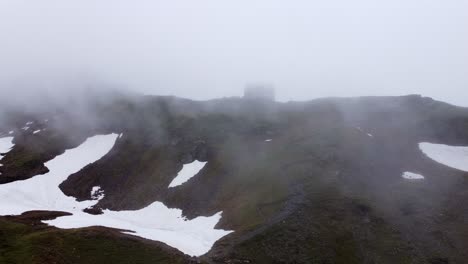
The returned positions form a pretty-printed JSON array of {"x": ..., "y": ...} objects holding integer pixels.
[{"x": 300, "y": 182}]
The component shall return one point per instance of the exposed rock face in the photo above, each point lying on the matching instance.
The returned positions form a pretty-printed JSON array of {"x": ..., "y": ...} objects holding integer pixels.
[
  {"x": 297, "y": 182},
  {"x": 201, "y": 151}
]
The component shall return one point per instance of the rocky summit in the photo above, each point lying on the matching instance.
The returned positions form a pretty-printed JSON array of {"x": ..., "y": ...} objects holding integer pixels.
[{"x": 153, "y": 179}]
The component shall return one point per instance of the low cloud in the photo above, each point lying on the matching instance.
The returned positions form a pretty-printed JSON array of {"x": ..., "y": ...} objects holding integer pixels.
[{"x": 208, "y": 49}]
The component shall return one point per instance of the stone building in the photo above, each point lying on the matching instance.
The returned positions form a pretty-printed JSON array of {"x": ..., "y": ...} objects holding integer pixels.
[{"x": 259, "y": 92}]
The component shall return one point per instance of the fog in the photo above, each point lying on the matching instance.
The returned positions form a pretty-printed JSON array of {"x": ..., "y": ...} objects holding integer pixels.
[{"x": 209, "y": 48}]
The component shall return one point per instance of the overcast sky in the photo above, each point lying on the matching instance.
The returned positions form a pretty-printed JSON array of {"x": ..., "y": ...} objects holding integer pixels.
[{"x": 212, "y": 48}]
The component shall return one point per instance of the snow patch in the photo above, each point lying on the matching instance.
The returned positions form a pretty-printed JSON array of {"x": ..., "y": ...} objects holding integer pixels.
[
  {"x": 452, "y": 156},
  {"x": 361, "y": 130},
  {"x": 43, "y": 193},
  {"x": 36, "y": 131},
  {"x": 6, "y": 143},
  {"x": 187, "y": 172},
  {"x": 155, "y": 222},
  {"x": 412, "y": 176},
  {"x": 11, "y": 132},
  {"x": 25, "y": 128},
  {"x": 268, "y": 140},
  {"x": 97, "y": 193}
]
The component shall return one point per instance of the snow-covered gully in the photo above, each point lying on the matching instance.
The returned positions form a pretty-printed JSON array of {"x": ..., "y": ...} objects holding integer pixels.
[
  {"x": 155, "y": 222},
  {"x": 187, "y": 172}
]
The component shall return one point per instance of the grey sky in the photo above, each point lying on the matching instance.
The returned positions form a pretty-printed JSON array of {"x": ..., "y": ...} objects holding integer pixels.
[{"x": 213, "y": 48}]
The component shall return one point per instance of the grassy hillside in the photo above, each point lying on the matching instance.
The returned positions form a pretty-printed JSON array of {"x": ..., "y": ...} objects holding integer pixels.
[
  {"x": 27, "y": 241},
  {"x": 305, "y": 182}
]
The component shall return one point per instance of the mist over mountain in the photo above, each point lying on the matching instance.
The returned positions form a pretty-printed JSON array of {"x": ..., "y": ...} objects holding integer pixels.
[
  {"x": 257, "y": 131},
  {"x": 210, "y": 49},
  {"x": 333, "y": 180}
]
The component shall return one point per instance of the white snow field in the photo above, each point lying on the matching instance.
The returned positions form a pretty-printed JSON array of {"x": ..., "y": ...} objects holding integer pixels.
[
  {"x": 187, "y": 172},
  {"x": 6, "y": 143},
  {"x": 412, "y": 176},
  {"x": 42, "y": 192},
  {"x": 155, "y": 222},
  {"x": 452, "y": 156}
]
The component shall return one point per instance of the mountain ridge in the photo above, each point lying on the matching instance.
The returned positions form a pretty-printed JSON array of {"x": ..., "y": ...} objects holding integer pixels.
[{"x": 298, "y": 182}]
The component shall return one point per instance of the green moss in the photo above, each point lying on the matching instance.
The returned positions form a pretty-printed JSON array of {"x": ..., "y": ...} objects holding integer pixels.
[{"x": 21, "y": 243}]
